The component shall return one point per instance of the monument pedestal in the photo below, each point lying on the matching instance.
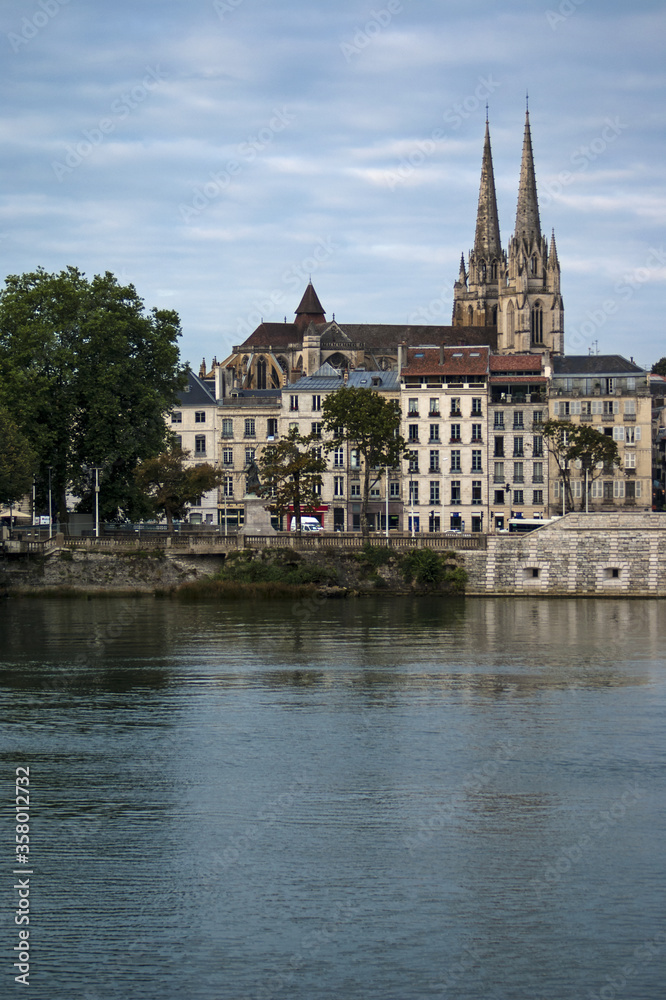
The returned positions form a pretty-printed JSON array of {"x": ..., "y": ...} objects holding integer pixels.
[{"x": 257, "y": 518}]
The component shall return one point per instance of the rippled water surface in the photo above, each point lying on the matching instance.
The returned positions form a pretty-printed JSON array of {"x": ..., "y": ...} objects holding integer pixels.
[{"x": 396, "y": 799}]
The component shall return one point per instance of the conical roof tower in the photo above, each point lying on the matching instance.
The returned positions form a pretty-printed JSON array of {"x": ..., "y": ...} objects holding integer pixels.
[
  {"x": 487, "y": 245},
  {"x": 528, "y": 224}
]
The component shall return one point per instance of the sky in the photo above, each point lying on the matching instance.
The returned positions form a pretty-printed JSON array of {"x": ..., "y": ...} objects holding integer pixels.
[{"x": 217, "y": 154}]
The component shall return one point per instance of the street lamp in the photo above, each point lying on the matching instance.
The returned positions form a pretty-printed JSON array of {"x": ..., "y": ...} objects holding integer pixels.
[
  {"x": 97, "y": 469},
  {"x": 50, "y": 505}
]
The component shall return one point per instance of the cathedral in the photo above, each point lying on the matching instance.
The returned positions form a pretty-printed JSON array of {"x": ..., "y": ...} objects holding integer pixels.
[{"x": 507, "y": 300}]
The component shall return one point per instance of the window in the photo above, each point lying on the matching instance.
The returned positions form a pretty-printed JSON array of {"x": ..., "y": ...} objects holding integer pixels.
[
  {"x": 375, "y": 493},
  {"x": 339, "y": 458},
  {"x": 434, "y": 407},
  {"x": 477, "y": 465},
  {"x": 630, "y": 459},
  {"x": 316, "y": 453},
  {"x": 518, "y": 419},
  {"x": 316, "y": 430},
  {"x": 477, "y": 432},
  {"x": 249, "y": 455},
  {"x": 537, "y": 417},
  {"x": 272, "y": 428},
  {"x": 434, "y": 491},
  {"x": 227, "y": 456},
  {"x": 455, "y": 432},
  {"x": 176, "y": 417},
  {"x": 455, "y": 461},
  {"x": 537, "y": 472},
  {"x": 179, "y": 440},
  {"x": 499, "y": 446},
  {"x": 228, "y": 486},
  {"x": 355, "y": 489},
  {"x": 499, "y": 419},
  {"x": 250, "y": 428},
  {"x": 518, "y": 497},
  {"x": 413, "y": 493},
  {"x": 316, "y": 402},
  {"x": 455, "y": 491},
  {"x": 518, "y": 472},
  {"x": 200, "y": 418},
  {"x": 455, "y": 406},
  {"x": 413, "y": 408},
  {"x": 434, "y": 461},
  {"x": 632, "y": 435},
  {"x": 537, "y": 497},
  {"x": 413, "y": 432},
  {"x": 316, "y": 489},
  {"x": 227, "y": 428},
  {"x": 476, "y": 492},
  {"x": 610, "y": 385},
  {"x": 434, "y": 432},
  {"x": 293, "y": 425},
  {"x": 355, "y": 459},
  {"x": 413, "y": 461},
  {"x": 536, "y": 321},
  {"x": 499, "y": 497},
  {"x": 498, "y": 476},
  {"x": 608, "y": 489},
  {"x": 293, "y": 403},
  {"x": 537, "y": 446},
  {"x": 476, "y": 407},
  {"x": 434, "y": 521},
  {"x": 518, "y": 447},
  {"x": 394, "y": 488},
  {"x": 200, "y": 444},
  {"x": 338, "y": 486},
  {"x": 630, "y": 406}
]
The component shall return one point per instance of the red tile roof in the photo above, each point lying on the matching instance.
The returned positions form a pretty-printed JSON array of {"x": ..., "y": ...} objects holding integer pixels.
[
  {"x": 456, "y": 361},
  {"x": 516, "y": 363}
]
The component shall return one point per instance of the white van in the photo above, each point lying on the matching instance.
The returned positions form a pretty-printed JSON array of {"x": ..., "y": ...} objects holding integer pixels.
[{"x": 307, "y": 524}]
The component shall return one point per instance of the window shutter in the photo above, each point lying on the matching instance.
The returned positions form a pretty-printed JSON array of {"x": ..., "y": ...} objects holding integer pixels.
[
  {"x": 556, "y": 409},
  {"x": 637, "y": 433},
  {"x": 597, "y": 406},
  {"x": 618, "y": 434},
  {"x": 616, "y": 406},
  {"x": 575, "y": 406},
  {"x": 618, "y": 489},
  {"x": 638, "y": 488}
]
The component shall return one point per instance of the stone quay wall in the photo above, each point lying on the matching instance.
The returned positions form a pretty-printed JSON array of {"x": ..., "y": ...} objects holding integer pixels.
[{"x": 580, "y": 555}]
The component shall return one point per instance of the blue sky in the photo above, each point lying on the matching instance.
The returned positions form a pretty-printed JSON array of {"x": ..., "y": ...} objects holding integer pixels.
[{"x": 216, "y": 153}]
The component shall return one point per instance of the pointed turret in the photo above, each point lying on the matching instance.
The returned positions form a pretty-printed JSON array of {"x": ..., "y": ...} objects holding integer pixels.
[
  {"x": 553, "y": 262},
  {"x": 310, "y": 309},
  {"x": 487, "y": 245},
  {"x": 528, "y": 226}
]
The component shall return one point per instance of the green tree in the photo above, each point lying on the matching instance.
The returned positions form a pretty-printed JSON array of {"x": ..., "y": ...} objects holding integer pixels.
[
  {"x": 17, "y": 462},
  {"x": 369, "y": 423},
  {"x": 571, "y": 443},
  {"x": 88, "y": 375},
  {"x": 291, "y": 471},
  {"x": 171, "y": 486},
  {"x": 659, "y": 367}
]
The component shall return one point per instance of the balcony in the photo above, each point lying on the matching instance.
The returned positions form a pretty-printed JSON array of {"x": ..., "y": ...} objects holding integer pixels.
[
  {"x": 585, "y": 418},
  {"x": 629, "y": 416},
  {"x": 412, "y": 413},
  {"x": 434, "y": 413},
  {"x": 608, "y": 418}
]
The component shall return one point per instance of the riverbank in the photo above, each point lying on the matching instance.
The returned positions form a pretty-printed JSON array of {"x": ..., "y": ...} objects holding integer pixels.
[{"x": 255, "y": 573}]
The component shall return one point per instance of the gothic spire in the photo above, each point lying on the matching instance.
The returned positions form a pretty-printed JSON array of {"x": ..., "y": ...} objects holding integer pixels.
[
  {"x": 528, "y": 225},
  {"x": 487, "y": 243}
]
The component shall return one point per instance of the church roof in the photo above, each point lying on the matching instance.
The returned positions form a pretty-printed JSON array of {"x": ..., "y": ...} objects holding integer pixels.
[
  {"x": 310, "y": 304},
  {"x": 377, "y": 337}
]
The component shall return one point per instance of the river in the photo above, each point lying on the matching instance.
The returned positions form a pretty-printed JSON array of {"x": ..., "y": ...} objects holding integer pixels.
[{"x": 374, "y": 799}]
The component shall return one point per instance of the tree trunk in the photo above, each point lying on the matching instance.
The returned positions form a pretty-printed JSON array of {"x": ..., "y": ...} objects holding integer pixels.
[{"x": 365, "y": 527}]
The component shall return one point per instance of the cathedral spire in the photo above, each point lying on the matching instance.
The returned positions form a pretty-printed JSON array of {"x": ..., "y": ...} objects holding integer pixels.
[
  {"x": 528, "y": 226},
  {"x": 487, "y": 243}
]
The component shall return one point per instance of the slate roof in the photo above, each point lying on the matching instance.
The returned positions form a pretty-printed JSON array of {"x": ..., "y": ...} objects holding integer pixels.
[
  {"x": 359, "y": 379},
  {"x": 595, "y": 364},
  {"x": 196, "y": 394}
]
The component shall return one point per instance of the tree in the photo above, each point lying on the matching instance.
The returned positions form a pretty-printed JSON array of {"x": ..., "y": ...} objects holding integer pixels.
[
  {"x": 659, "y": 367},
  {"x": 291, "y": 471},
  {"x": 88, "y": 376},
  {"x": 570, "y": 443},
  {"x": 171, "y": 486},
  {"x": 17, "y": 462},
  {"x": 369, "y": 423}
]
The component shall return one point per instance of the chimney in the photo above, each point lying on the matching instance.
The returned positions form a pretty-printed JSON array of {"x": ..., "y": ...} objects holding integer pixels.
[
  {"x": 441, "y": 353},
  {"x": 400, "y": 357}
]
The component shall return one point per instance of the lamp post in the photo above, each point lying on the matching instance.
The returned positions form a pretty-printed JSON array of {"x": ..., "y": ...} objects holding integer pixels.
[
  {"x": 97, "y": 469},
  {"x": 387, "y": 503},
  {"x": 50, "y": 506}
]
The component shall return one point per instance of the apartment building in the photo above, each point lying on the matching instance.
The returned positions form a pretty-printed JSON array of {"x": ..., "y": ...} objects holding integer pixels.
[
  {"x": 194, "y": 422},
  {"x": 612, "y": 395}
]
